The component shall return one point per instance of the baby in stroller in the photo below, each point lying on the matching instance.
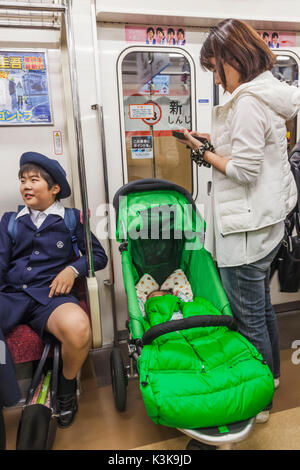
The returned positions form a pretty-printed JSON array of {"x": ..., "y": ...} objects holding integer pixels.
[
  {"x": 159, "y": 293},
  {"x": 176, "y": 284}
]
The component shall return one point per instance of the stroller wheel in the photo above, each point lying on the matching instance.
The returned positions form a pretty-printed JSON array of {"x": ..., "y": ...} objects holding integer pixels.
[
  {"x": 193, "y": 444},
  {"x": 118, "y": 379}
]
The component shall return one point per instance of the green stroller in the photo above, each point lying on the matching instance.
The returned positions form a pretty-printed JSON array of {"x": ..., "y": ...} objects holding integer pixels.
[{"x": 196, "y": 372}]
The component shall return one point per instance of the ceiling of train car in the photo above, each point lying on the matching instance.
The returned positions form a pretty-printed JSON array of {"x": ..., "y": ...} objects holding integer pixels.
[
  {"x": 29, "y": 14},
  {"x": 21, "y": 16},
  {"x": 112, "y": 15}
]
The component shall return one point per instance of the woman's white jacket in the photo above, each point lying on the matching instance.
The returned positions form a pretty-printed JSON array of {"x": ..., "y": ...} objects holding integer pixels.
[{"x": 258, "y": 189}]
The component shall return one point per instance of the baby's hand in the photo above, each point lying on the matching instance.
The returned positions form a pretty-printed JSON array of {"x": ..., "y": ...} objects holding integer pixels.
[{"x": 63, "y": 282}]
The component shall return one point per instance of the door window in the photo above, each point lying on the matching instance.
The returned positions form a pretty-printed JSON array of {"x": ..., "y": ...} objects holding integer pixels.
[
  {"x": 286, "y": 70},
  {"x": 156, "y": 99}
]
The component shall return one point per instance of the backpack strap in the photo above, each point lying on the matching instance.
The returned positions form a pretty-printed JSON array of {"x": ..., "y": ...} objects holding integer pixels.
[
  {"x": 12, "y": 227},
  {"x": 70, "y": 221}
]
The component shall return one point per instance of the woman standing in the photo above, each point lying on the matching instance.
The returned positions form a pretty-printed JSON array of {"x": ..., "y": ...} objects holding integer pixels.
[{"x": 253, "y": 188}]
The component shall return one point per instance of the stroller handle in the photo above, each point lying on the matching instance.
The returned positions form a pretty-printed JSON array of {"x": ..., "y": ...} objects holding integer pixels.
[
  {"x": 186, "y": 323},
  {"x": 149, "y": 184}
]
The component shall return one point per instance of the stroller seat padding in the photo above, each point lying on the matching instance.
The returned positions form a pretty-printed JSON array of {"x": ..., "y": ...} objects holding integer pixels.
[{"x": 201, "y": 377}]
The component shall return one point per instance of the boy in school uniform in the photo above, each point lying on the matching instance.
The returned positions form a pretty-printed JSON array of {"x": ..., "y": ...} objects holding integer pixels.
[{"x": 37, "y": 273}]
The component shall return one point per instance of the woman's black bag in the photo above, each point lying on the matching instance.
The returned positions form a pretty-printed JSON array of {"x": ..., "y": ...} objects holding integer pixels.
[
  {"x": 288, "y": 258},
  {"x": 294, "y": 159},
  {"x": 38, "y": 422},
  {"x": 287, "y": 261}
]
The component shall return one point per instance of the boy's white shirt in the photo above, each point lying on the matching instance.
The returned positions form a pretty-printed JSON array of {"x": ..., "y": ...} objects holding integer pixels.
[{"x": 38, "y": 217}]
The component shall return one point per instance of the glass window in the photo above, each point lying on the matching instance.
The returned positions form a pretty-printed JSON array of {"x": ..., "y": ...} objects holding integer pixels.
[
  {"x": 156, "y": 89},
  {"x": 286, "y": 70}
]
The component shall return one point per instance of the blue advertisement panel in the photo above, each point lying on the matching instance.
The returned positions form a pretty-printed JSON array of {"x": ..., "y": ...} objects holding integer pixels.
[{"x": 24, "y": 88}]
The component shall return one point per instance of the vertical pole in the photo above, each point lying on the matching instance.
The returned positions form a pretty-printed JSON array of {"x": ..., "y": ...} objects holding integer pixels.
[
  {"x": 78, "y": 131},
  {"x": 110, "y": 282}
]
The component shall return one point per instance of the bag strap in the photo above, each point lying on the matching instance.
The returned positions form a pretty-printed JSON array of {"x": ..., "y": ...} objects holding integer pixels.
[
  {"x": 13, "y": 224},
  {"x": 12, "y": 227},
  {"x": 54, "y": 382},
  {"x": 54, "y": 379},
  {"x": 291, "y": 222},
  {"x": 70, "y": 221},
  {"x": 297, "y": 223},
  {"x": 38, "y": 373}
]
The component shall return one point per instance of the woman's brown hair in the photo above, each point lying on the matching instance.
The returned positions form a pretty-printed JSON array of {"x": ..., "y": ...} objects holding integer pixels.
[{"x": 239, "y": 45}]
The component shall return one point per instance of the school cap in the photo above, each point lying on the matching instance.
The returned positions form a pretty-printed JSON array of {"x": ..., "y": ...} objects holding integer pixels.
[{"x": 52, "y": 167}]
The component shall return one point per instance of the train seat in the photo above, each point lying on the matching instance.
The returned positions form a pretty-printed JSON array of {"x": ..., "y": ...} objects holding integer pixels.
[{"x": 25, "y": 345}]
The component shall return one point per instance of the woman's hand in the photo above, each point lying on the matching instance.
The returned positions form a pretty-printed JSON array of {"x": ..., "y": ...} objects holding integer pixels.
[
  {"x": 204, "y": 136},
  {"x": 215, "y": 160},
  {"x": 189, "y": 140},
  {"x": 63, "y": 282}
]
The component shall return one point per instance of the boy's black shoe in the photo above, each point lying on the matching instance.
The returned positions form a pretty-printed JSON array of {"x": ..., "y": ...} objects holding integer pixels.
[{"x": 67, "y": 408}]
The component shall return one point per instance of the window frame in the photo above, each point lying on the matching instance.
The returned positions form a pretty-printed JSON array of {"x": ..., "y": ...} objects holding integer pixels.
[{"x": 294, "y": 56}]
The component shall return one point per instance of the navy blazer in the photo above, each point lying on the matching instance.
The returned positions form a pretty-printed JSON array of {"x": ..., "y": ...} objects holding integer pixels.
[{"x": 39, "y": 254}]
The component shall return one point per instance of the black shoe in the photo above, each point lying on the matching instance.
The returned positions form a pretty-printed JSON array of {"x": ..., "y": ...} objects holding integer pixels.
[{"x": 67, "y": 408}]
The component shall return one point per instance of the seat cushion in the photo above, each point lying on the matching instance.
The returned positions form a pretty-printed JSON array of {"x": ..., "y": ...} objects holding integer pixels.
[{"x": 24, "y": 344}]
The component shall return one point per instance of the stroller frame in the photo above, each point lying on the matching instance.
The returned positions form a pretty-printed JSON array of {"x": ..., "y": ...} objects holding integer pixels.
[{"x": 201, "y": 438}]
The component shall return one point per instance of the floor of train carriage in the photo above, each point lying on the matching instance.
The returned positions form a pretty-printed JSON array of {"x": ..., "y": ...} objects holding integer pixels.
[{"x": 99, "y": 426}]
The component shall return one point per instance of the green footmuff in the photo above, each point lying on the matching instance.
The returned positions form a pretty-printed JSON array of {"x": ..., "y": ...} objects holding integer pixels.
[
  {"x": 195, "y": 371},
  {"x": 203, "y": 376}
]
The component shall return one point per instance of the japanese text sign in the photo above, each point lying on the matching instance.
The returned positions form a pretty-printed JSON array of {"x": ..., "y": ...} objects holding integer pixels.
[{"x": 24, "y": 90}]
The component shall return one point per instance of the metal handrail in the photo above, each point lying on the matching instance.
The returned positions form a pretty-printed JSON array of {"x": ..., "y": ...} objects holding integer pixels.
[
  {"x": 32, "y": 6},
  {"x": 79, "y": 140}
]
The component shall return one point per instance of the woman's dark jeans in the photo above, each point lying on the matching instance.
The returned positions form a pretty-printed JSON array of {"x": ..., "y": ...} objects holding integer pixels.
[{"x": 248, "y": 291}]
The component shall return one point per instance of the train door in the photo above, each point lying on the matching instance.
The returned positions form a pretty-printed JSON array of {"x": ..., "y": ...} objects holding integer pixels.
[
  {"x": 147, "y": 92},
  {"x": 287, "y": 69},
  {"x": 156, "y": 93}
]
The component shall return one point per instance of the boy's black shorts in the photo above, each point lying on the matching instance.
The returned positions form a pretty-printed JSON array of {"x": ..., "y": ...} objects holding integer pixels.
[{"x": 19, "y": 308}]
